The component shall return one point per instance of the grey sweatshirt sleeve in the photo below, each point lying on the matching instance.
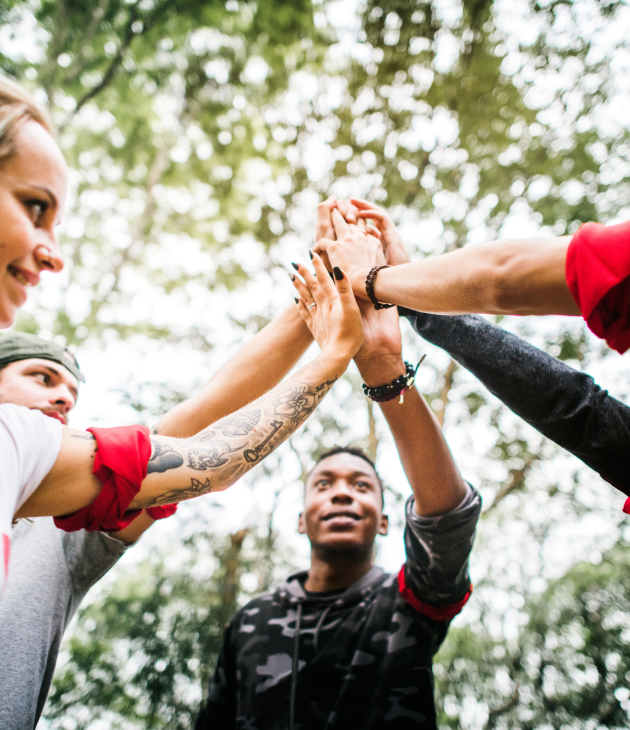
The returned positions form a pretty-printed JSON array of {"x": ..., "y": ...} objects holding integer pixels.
[
  {"x": 563, "y": 404},
  {"x": 438, "y": 549}
]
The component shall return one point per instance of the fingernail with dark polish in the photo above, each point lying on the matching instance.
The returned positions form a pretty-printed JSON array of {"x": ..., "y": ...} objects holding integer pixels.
[
  {"x": 291, "y": 276},
  {"x": 295, "y": 299},
  {"x": 295, "y": 266},
  {"x": 338, "y": 273},
  {"x": 310, "y": 253}
]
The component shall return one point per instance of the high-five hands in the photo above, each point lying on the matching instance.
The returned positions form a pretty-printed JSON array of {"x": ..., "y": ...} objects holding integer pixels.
[{"x": 357, "y": 248}]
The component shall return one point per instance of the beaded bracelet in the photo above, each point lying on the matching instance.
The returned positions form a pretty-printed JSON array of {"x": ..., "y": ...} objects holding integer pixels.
[
  {"x": 396, "y": 388},
  {"x": 369, "y": 287}
]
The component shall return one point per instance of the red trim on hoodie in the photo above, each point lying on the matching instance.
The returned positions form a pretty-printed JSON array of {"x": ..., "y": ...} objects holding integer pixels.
[{"x": 443, "y": 613}]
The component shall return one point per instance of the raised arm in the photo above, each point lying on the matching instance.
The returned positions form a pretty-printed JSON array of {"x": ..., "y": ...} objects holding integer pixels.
[
  {"x": 217, "y": 457},
  {"x": 429, "y": 466},
  {"x": 501, "y": 277},
  {"x": 257, "y": 366}
]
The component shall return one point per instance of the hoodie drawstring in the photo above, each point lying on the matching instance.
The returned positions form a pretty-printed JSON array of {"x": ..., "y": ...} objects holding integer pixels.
[
  {"x": 296, "y": 658},
  {"x": 322, "y": 618}
]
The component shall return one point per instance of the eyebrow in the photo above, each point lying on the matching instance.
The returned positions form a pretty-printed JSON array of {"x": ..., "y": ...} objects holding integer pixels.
[
  {"x": 49, "y": 193},
  {"x": 358, "y": 472}
]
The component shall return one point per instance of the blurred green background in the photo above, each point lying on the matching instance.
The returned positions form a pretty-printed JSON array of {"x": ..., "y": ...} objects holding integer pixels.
[{"x": 201, "y": 134}]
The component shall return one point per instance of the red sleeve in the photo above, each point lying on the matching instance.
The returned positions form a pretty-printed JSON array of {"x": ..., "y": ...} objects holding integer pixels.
[
  {"x": 120, "y": 464},
  {"x": 598, "y": 275},
  {"x": 443, "y": 613}
]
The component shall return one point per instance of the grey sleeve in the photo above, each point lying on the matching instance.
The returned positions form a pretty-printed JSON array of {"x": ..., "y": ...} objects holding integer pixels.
[
  {"x": 438, "y": 549},
  {"x": 89, "y": 555},
  {"x": 563, "y": 404}
]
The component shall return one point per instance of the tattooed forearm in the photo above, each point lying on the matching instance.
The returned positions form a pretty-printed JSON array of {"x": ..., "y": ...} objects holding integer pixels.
[
  {"x": 196, "y": 489},
  {"x": 253, "y": 455},
  {"x": 164, "y": 457},
  {"x": 83, "y": 436},
  {"x": 210, "y": 456},
  {"x": 232, "y": 446},
  {"x": 239, "y": 424}
]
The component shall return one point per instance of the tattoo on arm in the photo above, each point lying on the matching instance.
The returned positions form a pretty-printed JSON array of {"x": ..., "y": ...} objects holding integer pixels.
[
  {"x": 196, "y": 489},
  {"x": 233, "y": 445},
  {"x": 163, "y": 458},
  {"x": 83, "y": 436},
  {"x": 239, "y": 424}
]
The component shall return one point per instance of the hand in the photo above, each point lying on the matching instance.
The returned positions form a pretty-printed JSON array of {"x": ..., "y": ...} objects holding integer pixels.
[
  {"x": 325, "y": 228},
  {"x": 353, "y": 251},
  {"x": 395, "y": 250},
  {"x": 330, "y": 311}
]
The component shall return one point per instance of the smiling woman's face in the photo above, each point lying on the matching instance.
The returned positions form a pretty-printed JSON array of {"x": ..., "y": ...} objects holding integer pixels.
[{"x": 33, "y": 184}]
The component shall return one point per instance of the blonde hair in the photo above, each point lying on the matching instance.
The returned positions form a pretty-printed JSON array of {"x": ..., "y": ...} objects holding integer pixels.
[{"x": 17, "y": 107}]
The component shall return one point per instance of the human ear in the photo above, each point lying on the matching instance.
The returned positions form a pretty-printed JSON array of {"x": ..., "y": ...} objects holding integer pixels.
[
  {"x": 383, "y": 528},
  {"x": 301, "y": 524}
]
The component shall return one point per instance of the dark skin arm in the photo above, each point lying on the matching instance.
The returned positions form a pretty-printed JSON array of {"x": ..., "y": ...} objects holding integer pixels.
[{"x": 429, "y": 466}]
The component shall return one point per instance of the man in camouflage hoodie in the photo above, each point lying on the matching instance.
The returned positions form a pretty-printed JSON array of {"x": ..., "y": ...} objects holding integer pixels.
[{"x": 345, "y": 645}]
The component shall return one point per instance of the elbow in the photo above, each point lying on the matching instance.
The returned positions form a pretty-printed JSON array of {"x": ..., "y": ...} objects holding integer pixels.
[{"x": 504, "y": 280}]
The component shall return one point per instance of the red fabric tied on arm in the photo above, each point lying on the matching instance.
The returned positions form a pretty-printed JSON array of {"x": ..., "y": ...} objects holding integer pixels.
[
  {"x": 161, "y": 512},
  {"x": 626, "y": 507},
  {"x": 443, "y": 613},
  {"x": 120, "y": 464},
  {"x": 598, "y": 276}
]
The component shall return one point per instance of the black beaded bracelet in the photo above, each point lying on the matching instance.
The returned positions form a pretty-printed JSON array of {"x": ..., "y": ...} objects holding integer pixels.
[{"x": 396, "y": 388}]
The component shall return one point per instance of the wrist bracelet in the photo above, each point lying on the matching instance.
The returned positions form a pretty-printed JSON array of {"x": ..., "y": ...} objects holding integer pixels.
[
  {"x": 396, "y": 388},
  {"x": 369, "y": 287}
]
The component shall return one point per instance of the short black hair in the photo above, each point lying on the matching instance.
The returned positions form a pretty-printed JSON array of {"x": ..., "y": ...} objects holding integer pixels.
[{"x": 353, "y": 451}]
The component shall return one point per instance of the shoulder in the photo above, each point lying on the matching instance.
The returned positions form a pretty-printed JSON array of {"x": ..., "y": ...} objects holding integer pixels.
[
  {"x": 29, "y": 443},
  {"x": 27, "y": 430}
]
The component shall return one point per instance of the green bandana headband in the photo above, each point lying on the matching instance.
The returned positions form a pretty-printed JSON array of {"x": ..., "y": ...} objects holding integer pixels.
[{"x": 20, "y": 346}]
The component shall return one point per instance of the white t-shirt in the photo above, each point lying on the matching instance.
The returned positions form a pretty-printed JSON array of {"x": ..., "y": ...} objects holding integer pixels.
[{"x": 29, "y": 446}]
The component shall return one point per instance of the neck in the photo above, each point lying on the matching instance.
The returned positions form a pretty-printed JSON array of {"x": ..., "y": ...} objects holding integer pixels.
[{"x": 331, "y": 571}]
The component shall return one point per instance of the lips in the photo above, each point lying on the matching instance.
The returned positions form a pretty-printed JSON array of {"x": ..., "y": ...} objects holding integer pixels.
[
  {"x": 56, "y": 415},
  {"x": 23, "y": 276},
  {"x": 341, "y": 515}
]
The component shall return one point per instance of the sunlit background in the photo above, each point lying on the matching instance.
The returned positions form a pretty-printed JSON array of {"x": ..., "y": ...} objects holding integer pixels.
[{"x": 201, "y": 135}]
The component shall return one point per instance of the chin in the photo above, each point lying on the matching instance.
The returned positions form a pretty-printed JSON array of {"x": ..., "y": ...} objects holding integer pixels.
[{"x": 343, "y": 549}]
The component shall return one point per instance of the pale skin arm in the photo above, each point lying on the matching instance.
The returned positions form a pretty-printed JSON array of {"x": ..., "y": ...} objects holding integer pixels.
[
  {"x": 501, "y": 277},
  {"x": 259, "y": 365},
  {"x": 220, "y": 455}
]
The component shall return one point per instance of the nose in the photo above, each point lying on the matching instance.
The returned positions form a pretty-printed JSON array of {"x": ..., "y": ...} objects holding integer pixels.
[
  {"x": 48, "y": 257},
  {"x": 342, "y": 493},
  {"x": 64, "y": 398}
]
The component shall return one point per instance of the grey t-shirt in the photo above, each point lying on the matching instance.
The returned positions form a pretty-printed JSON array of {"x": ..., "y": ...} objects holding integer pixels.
[{"x": 49, "y": 574}]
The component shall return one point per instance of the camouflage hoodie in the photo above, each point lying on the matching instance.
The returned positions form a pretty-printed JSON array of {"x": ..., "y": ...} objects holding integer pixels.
[{"x": 358, "y": 658}]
